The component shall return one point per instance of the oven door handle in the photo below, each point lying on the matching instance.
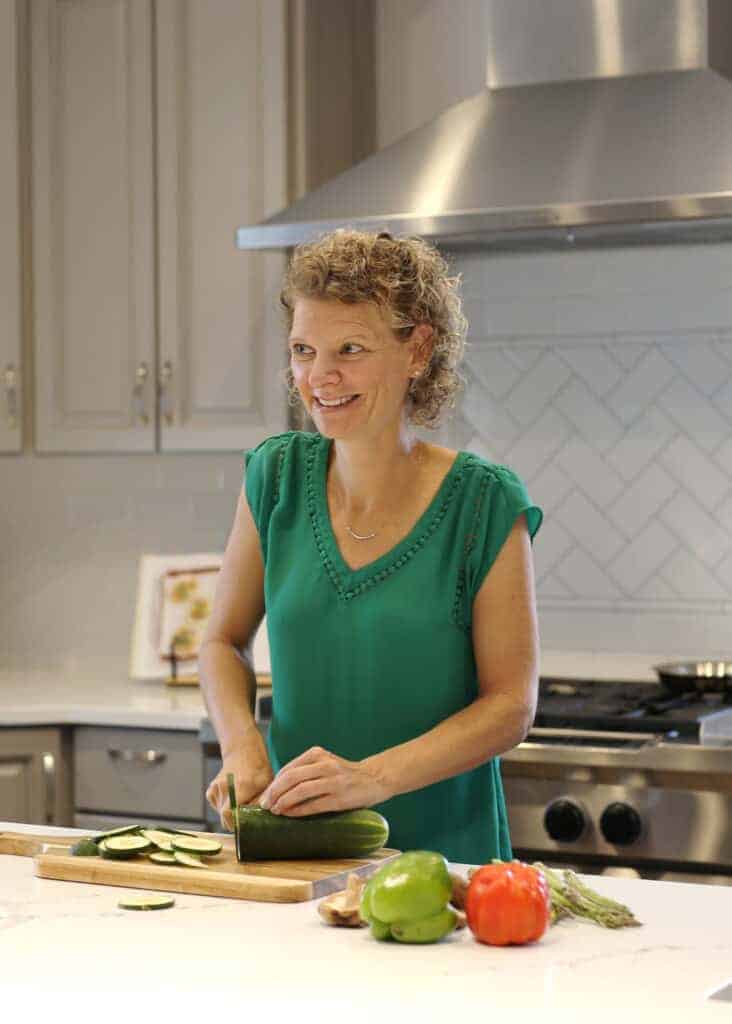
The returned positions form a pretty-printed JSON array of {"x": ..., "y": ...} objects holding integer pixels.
[{"x": 541, "y": 734}]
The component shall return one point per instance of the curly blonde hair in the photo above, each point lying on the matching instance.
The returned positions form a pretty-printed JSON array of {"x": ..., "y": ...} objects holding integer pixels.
[{"x": 408, "y": 280}]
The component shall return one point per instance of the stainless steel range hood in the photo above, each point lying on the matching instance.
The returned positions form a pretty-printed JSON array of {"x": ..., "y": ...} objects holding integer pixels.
[{"x": 605, "y": 121}]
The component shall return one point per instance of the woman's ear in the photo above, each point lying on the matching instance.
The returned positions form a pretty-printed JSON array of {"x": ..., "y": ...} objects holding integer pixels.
[{"x": 422, "y": 339}]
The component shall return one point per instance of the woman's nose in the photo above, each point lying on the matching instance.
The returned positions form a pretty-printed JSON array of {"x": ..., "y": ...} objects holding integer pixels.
[{"x": 323, "y": 370}]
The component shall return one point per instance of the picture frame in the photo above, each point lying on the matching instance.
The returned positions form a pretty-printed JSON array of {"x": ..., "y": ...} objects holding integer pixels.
[{"x": 175, "y": 596}]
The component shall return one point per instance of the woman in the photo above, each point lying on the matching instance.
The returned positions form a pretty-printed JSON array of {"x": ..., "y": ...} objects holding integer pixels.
[{"x": 396, "y": 574}]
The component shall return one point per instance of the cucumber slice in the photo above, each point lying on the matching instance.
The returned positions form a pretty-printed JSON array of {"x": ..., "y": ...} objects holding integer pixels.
[
  {"x": 116, "y": 832},
  {"x": 146, "y": 902},
  {"x": 124, "y": 847},
  {"x": 173, "y": 831},
  {"x": 195, "y": 844},
  {"x": 85, "y": 848},
  {"x": 162, "y": 857},
  {"x": 160, "y": 839},
  {"x": 188, "y": 859}
]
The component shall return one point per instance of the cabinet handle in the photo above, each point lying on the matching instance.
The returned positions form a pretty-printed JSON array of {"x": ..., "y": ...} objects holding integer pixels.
[
  {"x": 166, "y": 392},
  {"x": 138, "y": 756},
  {"x": 49, "y": 787},
  {"x": 10, "y": 380},
  {"x": 138, "y": 394}
]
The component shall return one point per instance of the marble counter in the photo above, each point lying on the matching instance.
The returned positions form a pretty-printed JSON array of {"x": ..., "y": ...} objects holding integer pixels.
[
  {"x": 67, "y": 950},
  {"x": 95, "y": 695},
  {"x": 46, "y": 699}
]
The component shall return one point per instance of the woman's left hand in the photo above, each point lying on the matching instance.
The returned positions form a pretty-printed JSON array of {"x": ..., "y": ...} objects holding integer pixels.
[{"x": 318, "y": 781}]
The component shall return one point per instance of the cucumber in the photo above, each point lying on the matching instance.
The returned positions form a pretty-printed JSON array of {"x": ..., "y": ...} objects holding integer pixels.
[
  {"x": 194, "y": 844},
  {"x": 85, "y": 848},
  {"x": 189, "y": 859},
  {"x": 124, "y": 847},
  {"x": 116, "y": 832},
  {"x": 261, "y": 835},
  {"x": 162, "y": 857},
  {"x": 146, "y": 902},
  {"x": 172, "y": 831},
  {"x": 160, "y": 839}
]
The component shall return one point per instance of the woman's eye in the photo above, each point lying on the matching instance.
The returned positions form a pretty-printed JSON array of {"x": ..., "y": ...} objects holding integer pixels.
[
  {"x": 351, "y": 348},
  {"x": 300, "y": 350}
]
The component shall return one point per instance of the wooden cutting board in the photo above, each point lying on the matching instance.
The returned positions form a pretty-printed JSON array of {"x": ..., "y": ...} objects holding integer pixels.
[{"x": 277, "y": 881}]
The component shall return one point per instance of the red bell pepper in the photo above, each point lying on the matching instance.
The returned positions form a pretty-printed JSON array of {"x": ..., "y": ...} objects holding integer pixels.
[{"x": 508, "y": 904}]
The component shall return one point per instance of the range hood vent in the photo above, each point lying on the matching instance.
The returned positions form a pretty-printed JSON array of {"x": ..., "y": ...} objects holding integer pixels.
[{"x": 605, "y": 122}]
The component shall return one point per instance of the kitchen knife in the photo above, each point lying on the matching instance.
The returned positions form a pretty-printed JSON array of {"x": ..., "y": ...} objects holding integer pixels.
[{"x": 232, "y": 805}]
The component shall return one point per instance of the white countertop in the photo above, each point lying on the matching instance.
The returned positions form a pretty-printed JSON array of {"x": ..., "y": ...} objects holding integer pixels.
[
  {"x": 92, "y": 695},
  {"x": 64, "y": 942},
  {"x": 46, "y": 699}
]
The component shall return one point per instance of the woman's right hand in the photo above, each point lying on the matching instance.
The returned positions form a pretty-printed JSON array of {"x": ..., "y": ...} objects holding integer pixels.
[{"x": 252, "y": 774}]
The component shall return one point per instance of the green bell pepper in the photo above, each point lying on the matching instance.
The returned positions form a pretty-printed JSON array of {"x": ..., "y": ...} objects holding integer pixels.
[{"x": 412, "y": 888}]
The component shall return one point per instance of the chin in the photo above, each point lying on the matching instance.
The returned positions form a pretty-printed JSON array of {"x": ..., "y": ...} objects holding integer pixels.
[{"x": 337, "y": 433}]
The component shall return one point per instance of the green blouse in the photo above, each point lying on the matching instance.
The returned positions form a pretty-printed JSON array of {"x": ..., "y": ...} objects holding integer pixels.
[{"x": 366, "y": 659}]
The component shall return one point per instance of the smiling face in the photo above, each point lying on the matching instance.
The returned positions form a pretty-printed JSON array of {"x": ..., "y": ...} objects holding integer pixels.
[{"x": 351, "y": 370}]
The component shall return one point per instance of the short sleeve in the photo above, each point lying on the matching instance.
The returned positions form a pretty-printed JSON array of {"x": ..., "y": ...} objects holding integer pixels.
[
  {"x": 263, "y": 466},
  {"x": 500, "y": 499}
]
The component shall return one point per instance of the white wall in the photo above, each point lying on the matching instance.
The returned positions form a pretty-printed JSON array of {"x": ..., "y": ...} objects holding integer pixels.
[
  {"x": 604, "y": 379},
  {"x": 72, "y": 530}
]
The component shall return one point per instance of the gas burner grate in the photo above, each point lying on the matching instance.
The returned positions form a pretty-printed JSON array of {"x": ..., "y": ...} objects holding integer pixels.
[{"x": 623, "y": 706}]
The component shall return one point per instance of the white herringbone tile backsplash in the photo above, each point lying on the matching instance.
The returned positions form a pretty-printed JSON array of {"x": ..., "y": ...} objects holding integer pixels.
[
  {"x": 603, "y": 378},
  {"x": 623, "y": 436}
]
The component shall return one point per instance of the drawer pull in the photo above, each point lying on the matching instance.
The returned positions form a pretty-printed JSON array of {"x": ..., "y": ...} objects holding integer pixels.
[
  {"x": 138, "y": 394},
  {"x": 138, "y": 756},
  {"x": 49, "y": 778}
]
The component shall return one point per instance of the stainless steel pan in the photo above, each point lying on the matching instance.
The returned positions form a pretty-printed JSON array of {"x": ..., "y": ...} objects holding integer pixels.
[{"x": 699, "y": 676}]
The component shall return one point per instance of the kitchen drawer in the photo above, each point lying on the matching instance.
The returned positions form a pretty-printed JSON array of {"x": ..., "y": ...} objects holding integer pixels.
[{"x": 141, "y": 772}]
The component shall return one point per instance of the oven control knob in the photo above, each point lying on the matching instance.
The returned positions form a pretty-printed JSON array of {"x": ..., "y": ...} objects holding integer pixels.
[
  {"x": 620, "y": 824},
  {"x": 564, "y": 820}
]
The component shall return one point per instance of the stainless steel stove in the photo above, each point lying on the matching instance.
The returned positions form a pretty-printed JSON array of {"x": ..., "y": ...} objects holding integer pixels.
[{"x": 613, "y": 776}]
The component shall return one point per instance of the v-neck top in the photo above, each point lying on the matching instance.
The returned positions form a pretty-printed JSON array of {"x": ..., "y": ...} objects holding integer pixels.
[{"x": 365, "y": 659}]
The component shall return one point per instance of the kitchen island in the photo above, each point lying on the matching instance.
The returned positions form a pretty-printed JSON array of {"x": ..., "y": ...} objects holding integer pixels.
[{"x": 67, "y": 952}]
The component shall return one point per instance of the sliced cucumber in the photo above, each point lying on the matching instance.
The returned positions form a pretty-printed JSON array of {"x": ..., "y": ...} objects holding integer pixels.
[
  {"x": 85, "y": 848},
  {"x": 173, "y": 831},
  {"x": 195, "y": 844},
  {"x": 190, "y": 860},
  {"x": 162, "y": 857},
  {"x": 146, "y": 902},
  {"x": 124, "y": 847},
  {"x": 160, "y": 839},
  {"x": 116, "y": 832}
]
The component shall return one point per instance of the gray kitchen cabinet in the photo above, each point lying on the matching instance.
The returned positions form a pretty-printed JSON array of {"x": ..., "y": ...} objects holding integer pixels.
[
  {"x": 92, "y": 200},
  {"x": 222, "y": 159},
  {"x": 10, "y": 237},
  {"x": 157, "y": 127},
  {"x": 35, "y": 776},
  {"x": 137, "y": 775}
]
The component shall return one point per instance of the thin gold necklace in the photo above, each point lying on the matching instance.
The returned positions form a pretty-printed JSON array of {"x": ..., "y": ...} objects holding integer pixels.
[
  {"x": 370, "y": 536},
  {"x": 360, "y": 536}
]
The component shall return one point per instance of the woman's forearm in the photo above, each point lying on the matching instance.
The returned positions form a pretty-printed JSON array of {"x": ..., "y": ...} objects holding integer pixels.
[
  {"x": 482, "y": 730},
  {"x": 229, "y": 688}
]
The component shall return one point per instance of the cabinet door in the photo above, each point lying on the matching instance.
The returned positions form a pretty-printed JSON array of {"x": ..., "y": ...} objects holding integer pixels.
[
  {"x": 93, "y": 225},
  {"x": 21, "y": 789},
  {"x": 35, "y": 776},
  {"x": 222, "y": 162},
  {"x": 10, "y": 252}
]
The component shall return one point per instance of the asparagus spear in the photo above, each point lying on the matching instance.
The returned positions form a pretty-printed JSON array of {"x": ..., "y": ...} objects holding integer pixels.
[{"x": 570, "y": 896}]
